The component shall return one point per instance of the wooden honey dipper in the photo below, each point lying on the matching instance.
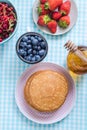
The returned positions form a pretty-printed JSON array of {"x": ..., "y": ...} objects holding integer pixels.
[{"x": 70, "y": 46}]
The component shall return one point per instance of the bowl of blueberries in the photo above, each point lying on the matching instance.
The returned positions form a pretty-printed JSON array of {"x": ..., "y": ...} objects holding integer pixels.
[{"x": 31, "y": 47}]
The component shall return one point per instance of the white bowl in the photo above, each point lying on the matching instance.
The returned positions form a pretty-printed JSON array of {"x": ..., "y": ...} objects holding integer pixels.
[{"x": 73, "y": 16}]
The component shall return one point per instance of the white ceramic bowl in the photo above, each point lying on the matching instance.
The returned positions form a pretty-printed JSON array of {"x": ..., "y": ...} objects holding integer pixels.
[{"x": 73, "y": 16}]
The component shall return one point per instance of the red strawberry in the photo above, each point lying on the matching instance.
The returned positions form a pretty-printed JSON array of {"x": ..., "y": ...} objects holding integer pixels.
[
  {"x": 42, "y": 10},
  {"x": 53, "y": 4},
  {"x": 43, "y": 1},
  {"x": 52, "y": 25},
  {"x": 43, "y": 20},
  {"x": 65, "y": 8},
  {"x": 64, "y": 21},
  {"x": 1, "y": 39},
  {"x": 56, "y": 15}
]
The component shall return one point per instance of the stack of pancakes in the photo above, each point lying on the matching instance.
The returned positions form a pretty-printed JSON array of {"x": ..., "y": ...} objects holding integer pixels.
[{"x": 46, "y": 90}]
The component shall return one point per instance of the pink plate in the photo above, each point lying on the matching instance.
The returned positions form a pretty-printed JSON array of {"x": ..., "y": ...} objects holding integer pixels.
[{"x": 43, "y": 117}]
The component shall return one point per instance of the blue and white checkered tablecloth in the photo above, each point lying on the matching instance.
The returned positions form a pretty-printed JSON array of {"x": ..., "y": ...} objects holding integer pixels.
[{"x": 11, "y": 67}]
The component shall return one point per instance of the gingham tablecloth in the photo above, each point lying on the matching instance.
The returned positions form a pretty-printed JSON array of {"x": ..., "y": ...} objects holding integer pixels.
[{"x": 11, "y": 67}]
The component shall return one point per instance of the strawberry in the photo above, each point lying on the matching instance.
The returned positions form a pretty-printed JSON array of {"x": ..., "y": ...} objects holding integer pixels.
[
  {"x": 65, "y": 8},
  {"x": 64, "y": 21},
  {"x": 42, "y": 10},
  {"x": 1, "y": 39},
  {"x": 43, "y": 1},
  {"x": 53, "y": 4},
  {"x": 56, "y": 15},
  {"x": 52, "y": 25},
  {"x": 43, "y": 20}
]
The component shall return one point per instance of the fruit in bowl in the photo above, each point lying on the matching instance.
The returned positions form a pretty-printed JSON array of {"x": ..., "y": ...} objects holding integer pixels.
[
  {"x": 31, "y": 47},
  {"x": 54, "y": 13},
  {"x": 8, "y": 20}
]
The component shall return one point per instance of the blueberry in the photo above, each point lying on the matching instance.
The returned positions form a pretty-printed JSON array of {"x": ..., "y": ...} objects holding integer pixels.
[
  {"x": 42, "y": 52},
  {"x": 34, "y": 41},
  {"x": 29, "y": 37},
  {"x": 31, "y": 55},
  {"x": 29, "y": 51},
  {"x": 29, "y": 46},
  {"x": 34, "y": 52},
  {"x": 25, "y": 39},
  {"x": 35, "y": 47},
  {"x": 25, "y": 57},
  {"x": 39, "y": 48},
  {"x": 37, "y": 57},
  {"x": 39, "y": 43},
  {"x": 33, "y": 58},
  {"x": 29, "y": 41},
  {"x": 25, "y": 48},
  {"x": 22, "y": 44},
  {"x": 43, "y": 44},
  {"x": 32, "y": 37},
  {"x": 28, "y": 58},
  {"x": 39, "y": 39},
  {"x": 36, "y": 37},
  {"x": 22, "y": 52}
]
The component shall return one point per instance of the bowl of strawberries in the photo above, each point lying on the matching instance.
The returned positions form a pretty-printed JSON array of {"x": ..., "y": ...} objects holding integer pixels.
[
  {"x": 55, "y": 17},
  {"x": 8, "y": 20}
]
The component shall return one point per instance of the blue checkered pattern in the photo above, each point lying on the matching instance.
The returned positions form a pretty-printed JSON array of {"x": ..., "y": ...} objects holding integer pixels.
[{"x": 11, "y": 67}]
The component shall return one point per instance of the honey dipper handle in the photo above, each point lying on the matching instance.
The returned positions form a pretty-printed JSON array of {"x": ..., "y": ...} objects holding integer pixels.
[{"x": 81, "y": 55}]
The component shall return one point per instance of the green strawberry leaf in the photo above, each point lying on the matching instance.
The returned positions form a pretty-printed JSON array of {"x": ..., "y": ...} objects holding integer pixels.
[
  {"x": 39, "y": 10},
  {"x": 46, "y": 6},
  {"x": 62, "y": 24}
]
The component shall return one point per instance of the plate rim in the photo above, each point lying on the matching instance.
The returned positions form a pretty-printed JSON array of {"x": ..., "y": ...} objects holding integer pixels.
[
  {"x": 55, "y": 34},
  {"x": 42, "y": 122}
]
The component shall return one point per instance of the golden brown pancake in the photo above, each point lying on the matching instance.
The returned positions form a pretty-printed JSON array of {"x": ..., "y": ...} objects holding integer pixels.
[
  {"x": 27, "y": 86},
  {"x": 46, "y": 90}
]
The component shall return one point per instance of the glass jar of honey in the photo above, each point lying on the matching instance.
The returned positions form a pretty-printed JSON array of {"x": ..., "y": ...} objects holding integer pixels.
[{"x": 75, "y": 64}]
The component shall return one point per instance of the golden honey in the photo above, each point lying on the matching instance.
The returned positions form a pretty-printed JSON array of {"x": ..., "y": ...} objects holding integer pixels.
[{"x": 75, "y": 64}]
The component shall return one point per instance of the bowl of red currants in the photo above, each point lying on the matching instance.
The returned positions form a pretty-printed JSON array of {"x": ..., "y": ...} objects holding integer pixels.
[
  {"x": 8, "y": 20},
  {"x": 31, "y": 47}
]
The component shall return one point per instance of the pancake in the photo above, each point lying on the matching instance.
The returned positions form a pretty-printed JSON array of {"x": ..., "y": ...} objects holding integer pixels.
[
  {"x": 27, "y": 86},
  {"x": 46, "y": 90}
]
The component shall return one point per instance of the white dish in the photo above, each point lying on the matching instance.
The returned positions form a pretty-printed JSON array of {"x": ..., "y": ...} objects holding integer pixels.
[
  {"x": 43, "y": 117},
  {"x": 73, "y": 16}
]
